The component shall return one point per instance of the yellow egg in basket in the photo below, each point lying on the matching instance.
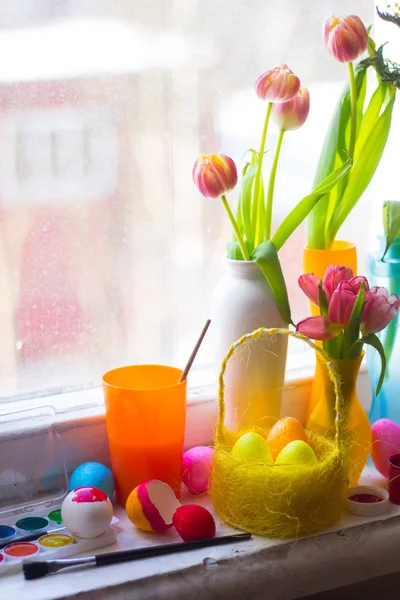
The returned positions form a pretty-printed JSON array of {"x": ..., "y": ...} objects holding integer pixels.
[
  {"x": 252, "y": 447},
  {"x": 297, "y": 452}
]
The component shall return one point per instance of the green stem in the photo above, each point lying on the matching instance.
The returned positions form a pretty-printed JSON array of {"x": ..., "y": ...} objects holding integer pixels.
[
  {"x": 353, "y": 100},
  {"x": 257, "y": 183},
  {"x": 264, "y": 135},
  {"x": 271, "y": 185},
  {"x": 240, "y": 239}
]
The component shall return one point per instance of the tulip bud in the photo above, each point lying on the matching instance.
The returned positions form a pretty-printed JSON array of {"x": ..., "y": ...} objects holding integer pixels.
[
  {"x": 292, "y": 114},
  {"x": 309, "y": 284},
  {"x": 333, "y": 276},
  {"x": 279, "y": 84},
  {"x": 214, "y": 175},
  {"x": 380, "y": 308},
  {"x": 341, "y": 304},
  {"x": 346, "y": 38}
]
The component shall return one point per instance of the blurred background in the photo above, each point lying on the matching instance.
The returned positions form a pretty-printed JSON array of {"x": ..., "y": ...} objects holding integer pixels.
[{"x": 108, "y": 254}]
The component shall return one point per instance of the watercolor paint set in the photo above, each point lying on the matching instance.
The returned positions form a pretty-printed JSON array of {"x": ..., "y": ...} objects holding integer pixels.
[
  {"x": 33, "y": 485},
  {"x": 37, "y": 536}
]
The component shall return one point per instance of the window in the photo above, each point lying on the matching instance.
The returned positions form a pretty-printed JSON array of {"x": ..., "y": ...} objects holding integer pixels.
[{"x": 107, "y": 253}]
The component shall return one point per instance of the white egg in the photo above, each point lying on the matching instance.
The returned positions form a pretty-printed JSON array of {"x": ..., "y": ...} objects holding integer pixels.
[{"x": 87, "y": 512}]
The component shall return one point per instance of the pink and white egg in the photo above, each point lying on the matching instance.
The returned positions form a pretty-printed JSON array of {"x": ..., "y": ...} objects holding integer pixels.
[{"x": 87, "y": 512}]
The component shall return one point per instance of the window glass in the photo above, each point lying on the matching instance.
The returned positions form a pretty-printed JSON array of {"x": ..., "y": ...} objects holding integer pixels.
[{"x": 108, "y": 255}]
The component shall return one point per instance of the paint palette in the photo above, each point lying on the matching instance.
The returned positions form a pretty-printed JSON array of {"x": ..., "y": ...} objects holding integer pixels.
[
  {"x": 38, "y": 536},
  {"x": 33, "y": 485}
]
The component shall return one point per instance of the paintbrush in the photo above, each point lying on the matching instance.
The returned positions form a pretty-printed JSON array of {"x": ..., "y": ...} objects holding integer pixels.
[{"x": 37, "y": 569}]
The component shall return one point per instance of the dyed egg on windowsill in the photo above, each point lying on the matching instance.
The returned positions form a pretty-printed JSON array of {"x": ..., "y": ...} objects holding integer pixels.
[
  {"x": 197, "y": 469},
  {"x": 151, "y": 506},
  {"x": 93, "y": 474},
  {"x": 87, "y": 512}
]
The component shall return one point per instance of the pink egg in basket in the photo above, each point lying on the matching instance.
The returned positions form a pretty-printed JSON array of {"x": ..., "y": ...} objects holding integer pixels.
[
  {"x": 87, "y": 512},
  {"x": 197, "y": 468},
  {"x": 385, "y": 443}
]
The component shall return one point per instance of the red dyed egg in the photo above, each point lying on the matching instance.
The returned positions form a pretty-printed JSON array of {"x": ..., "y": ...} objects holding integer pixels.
[{"x": 193, "y": 523}]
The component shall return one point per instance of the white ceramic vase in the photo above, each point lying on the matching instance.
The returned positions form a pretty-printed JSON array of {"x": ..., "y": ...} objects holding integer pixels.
[{"x": 254, "y": 379}]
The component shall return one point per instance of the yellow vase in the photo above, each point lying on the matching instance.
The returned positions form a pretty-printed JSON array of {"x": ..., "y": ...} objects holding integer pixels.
[
  {"x": 356, "y": 429},
  {"x": 341, "y": 253}
]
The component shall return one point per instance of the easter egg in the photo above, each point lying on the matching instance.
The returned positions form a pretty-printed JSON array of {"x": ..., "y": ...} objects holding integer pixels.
[
  {"x": 93, "y": 474},
  {"x": 385, "y": 443},
  {"x": 297, "y": 452},
  {"x": 152, "y": 505},
  {"x": 252, "y": 447},
  {"x": 194, "y": 522},
  {"x": 286, "y": 430},
  {"x": 197, "y": 467},
  {"x": 87, "y": 512}
]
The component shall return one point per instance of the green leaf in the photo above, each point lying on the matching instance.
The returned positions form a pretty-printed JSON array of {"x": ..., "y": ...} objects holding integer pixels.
[
  {"x": 303, "y": 208},
  {"x": 388, "y": 339},
  {"x": 261, "y": 216},
  {"x": 352, "y": 331},
  {"x": 234, "y": 252},
  {"x": 244, "y": 206},
  {"x": 345, "y": 117},
  {"x": 391, "y": 17},
  {"x": 266, "y": 257},
  {"x": 322, "y": 300},
  {"x": 334, "y": 347},
  {"x": 325, "y": 166},
  {"x": 391, "y": 222},
  {"x": 333, "y": 151},
  {"x": 370, "y": 118},
  {"x": 344, "y": 139},
  {"x": 373, "y": 340},
  {"x": 363, "y": 169}
]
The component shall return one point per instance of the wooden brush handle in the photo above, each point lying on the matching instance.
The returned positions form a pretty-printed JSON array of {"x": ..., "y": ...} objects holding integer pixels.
[{"x": 195, "y": 350}]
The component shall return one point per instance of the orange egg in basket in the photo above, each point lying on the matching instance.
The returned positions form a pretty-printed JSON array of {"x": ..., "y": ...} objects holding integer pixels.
[{"x": 286, "y": 430}]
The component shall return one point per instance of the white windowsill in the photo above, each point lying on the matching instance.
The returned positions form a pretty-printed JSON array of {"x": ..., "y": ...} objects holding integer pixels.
[{"x": 354, "y": 550}]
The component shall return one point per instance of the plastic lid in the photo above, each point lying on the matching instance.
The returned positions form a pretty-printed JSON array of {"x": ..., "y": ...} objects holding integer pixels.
[{"x": 32, "y": 467}]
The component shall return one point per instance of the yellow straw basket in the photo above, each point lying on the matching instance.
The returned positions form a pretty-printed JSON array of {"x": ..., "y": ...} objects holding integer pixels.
[{"x": 279, "y": 500}]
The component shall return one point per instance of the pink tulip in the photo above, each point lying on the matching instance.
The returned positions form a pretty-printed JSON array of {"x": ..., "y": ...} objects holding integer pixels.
[
  {"x": 292, "y": 114},
  {"x": 341, "y": 304},
  {"x": 379, "y": 310},
  {"x": 333, "y": 276},
  {"x": 354, "y": 284},
  {"x": 318, "y": 328},
  {"x": 346, "y": 38},
  {"x": 214, "y": 175},
  {"x": 309, "y": 284},
  {"x": 279, "y": 84}
]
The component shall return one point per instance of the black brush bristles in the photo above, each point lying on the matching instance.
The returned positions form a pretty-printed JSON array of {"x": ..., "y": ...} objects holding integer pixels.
[{"x": 35, "y": 569}]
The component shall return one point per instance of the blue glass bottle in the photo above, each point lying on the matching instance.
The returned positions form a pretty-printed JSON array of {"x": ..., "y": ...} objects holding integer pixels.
[{"x": 386, "y": 273}]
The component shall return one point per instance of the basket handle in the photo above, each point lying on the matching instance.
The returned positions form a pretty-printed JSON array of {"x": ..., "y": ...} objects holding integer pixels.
[{"x": 250, "y": 337}]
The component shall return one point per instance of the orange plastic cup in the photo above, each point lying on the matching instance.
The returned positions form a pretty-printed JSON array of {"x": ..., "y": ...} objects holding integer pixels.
[{"x": 145, "y": 415}]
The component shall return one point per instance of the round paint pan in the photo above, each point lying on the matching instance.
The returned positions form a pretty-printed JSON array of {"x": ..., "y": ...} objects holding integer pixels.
[
  {"x": 32, "y": 524},
  {"x": 19, "y": 550},
  {"x": 7, "y": 533},
  {"x": 52, "y": 541},
  {"x": 2, "y": 558},
  {"x": 55, "y": 516}
]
